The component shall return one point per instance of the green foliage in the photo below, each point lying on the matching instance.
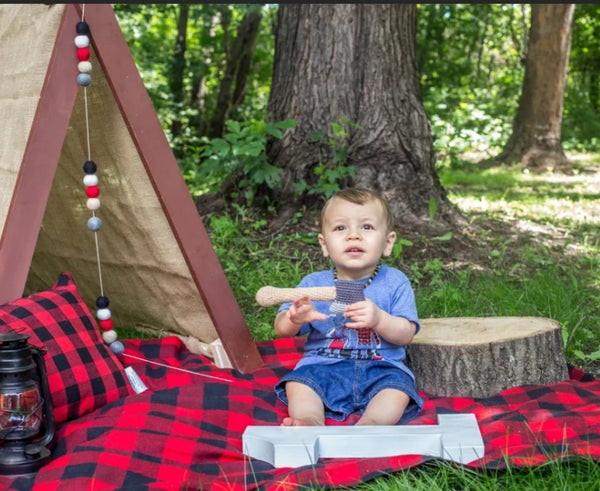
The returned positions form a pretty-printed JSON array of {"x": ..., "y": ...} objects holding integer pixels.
[
  {"x": 471, "y": 65},
  {"x": 252, "y": 260},
  {"x": 240, "y": 153},
  {"x": 399, "y": 246},
  {"x": 151, "y": 30},
  {"x": 432, "y": 208},
  {"x": 470, "y": 45},
  {"x": 470, "y": 59},
  {"x": 331, "y": 175},
  {"x": 470, "y": 62},
  {"x": 467, "y": 126},
  {"x": 581, "y": 120}
]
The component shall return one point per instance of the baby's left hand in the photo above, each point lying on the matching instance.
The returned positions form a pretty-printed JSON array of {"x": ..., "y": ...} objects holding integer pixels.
[{"x": 362, "y": 314}]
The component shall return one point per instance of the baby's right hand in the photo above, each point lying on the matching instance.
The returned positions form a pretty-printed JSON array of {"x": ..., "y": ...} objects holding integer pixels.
[{"x": 302, "y": 311}]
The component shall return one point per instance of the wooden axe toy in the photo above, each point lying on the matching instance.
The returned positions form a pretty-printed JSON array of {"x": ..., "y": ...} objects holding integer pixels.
[{"x": 345, "y": 292}]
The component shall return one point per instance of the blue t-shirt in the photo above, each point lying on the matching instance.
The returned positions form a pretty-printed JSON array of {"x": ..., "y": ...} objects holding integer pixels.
[{"x": 328, "y": 341}]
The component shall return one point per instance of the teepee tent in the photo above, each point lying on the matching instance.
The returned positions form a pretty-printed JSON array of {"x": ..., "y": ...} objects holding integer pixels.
[{"x": 158, "y": 266}]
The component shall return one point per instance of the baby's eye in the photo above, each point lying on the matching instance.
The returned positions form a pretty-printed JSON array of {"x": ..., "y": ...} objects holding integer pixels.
[
  {"x": 367, "y": 226},
  {"x": 339, "y": 228}
]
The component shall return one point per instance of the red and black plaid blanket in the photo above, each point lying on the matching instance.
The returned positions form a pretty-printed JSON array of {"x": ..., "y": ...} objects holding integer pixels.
[{"x": 186, "y": 431}]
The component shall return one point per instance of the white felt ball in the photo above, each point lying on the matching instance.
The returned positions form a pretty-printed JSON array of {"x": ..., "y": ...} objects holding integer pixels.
[
  {"x": 94, "y": 224},
  {"x": 90, "y": 180},
  {"x": 84, "y": 66},
  {"x": 93, "y": 203},
  {"x": 103, "y": 314},
  {"x": 109, "y": 336},
  {"x": 117, "y": 347},
  {"x": 82, "y": 41}
]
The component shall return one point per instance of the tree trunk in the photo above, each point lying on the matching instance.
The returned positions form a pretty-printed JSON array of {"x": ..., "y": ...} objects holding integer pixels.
[
  {"x": 236, "y": 70},
  {"x": 176, "y": 78},
  {"x": 594, "y": 91},
  {"x": 356, "y": 63},
  {"x": 481, "y": 356},
  {"x": 536, "y": 134}
]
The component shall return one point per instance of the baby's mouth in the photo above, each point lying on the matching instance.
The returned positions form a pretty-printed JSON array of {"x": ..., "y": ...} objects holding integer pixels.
[{"x": 354, "y": 250}]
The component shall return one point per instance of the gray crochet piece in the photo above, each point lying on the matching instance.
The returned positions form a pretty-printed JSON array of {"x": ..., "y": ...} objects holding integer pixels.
[{"x": 346, "y": 292}]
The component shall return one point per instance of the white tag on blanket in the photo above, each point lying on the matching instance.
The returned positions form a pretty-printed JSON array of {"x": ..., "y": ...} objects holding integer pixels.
[{"x": 136, "y": 382}]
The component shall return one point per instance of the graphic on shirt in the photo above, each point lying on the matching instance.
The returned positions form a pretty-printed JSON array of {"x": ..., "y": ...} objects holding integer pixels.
[{"x": 346, "y": 343}]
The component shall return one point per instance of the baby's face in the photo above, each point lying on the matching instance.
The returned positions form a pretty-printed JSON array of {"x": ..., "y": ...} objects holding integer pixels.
[{"x": 355, "y": 237}]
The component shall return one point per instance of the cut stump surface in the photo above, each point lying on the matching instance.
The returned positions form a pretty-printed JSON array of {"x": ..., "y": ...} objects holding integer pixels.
[{"x": 481, "y": 356}]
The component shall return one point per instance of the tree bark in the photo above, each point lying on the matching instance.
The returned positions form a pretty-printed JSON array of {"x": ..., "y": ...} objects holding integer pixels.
[
  {"x": 176, "y": 78},
  {"x": 356, "y": 62},
  {"x": 236, "y": 71},
  {"x": 536, "y": 136},
  {"x": 481, "y": 356}
]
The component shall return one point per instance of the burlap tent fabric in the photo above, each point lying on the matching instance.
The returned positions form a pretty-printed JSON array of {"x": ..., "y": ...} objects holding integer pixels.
[
  {"x": 24, "y": 63},
  {"x": 144, "y": 272}
]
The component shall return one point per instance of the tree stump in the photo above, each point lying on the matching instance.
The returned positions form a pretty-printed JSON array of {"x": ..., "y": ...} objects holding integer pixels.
[{"x": 481, "y": 356}]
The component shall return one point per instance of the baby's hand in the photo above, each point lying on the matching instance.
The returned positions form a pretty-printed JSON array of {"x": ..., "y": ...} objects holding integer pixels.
[
  {"x": 362, "y": 314},
  {"x": 302, "y": 311}
]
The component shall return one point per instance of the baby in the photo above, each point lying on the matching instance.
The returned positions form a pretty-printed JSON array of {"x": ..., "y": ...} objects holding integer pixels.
[{"x": 353, "y": 360}]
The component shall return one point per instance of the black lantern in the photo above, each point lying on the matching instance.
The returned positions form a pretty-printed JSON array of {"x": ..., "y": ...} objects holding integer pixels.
[{"x": 25, "y": 406}]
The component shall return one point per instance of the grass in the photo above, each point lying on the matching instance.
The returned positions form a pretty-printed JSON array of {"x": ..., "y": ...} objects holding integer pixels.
[
  {"x": 577, "y": 474},
  {"x": 537, "y": 254}
]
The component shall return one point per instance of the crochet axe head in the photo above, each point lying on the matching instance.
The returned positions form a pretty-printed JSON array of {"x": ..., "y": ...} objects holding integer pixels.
[{"x": 346, "y": 292}]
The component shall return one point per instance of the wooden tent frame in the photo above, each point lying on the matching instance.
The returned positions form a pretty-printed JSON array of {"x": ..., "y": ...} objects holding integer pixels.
[{"x": 40, "y": 161}]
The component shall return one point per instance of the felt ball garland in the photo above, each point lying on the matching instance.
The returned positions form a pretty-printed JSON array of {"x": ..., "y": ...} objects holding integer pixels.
[{"x": 92, "y": 189}]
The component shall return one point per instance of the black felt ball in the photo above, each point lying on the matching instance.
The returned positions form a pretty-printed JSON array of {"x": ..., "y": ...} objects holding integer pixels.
[
  {"x": 89, "y": 167},
  {"x": 82, "y": 28},
  {"x": 102, "y": 302}
]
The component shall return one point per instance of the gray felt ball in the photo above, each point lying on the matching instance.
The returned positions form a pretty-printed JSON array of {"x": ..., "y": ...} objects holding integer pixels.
[
  {"x": 94, "y": 224},
  {"x": 84, "y": 79},
  {"x": 117, "y": 347}
]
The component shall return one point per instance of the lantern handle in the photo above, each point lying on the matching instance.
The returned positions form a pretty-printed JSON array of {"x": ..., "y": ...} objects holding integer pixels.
[{"x": 38, "y": 357}]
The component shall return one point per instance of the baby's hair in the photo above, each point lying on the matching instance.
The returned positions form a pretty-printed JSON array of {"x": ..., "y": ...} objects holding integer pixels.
[{"x": 361, "y": 196}]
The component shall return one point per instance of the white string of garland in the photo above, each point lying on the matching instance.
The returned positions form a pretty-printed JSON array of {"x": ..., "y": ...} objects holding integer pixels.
[{"x": 90, "y": 181}]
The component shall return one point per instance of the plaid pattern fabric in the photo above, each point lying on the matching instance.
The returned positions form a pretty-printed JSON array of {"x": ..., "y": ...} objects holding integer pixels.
[
  {"x": 83, "y": 374},
  {"x": 186, "y": 431}
]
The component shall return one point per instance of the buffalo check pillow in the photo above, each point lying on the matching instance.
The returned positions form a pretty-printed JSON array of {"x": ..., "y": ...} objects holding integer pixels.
[{"x": 83, "y": 373}]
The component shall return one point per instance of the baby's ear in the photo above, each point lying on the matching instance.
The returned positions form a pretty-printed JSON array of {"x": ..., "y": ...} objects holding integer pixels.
[
  {"x": 324, "y": 249},
  {"x": 389, "y": 244}
]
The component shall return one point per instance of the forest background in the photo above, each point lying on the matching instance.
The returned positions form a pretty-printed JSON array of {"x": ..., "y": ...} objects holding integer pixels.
[{"x": 530, "y": 243}]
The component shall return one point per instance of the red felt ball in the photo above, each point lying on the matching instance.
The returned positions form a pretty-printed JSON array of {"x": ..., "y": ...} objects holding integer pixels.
[
  {"x": 92, "y": 191},
  {"x": 106, "y": 324},
  {"x": 83, "y": 54}
]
